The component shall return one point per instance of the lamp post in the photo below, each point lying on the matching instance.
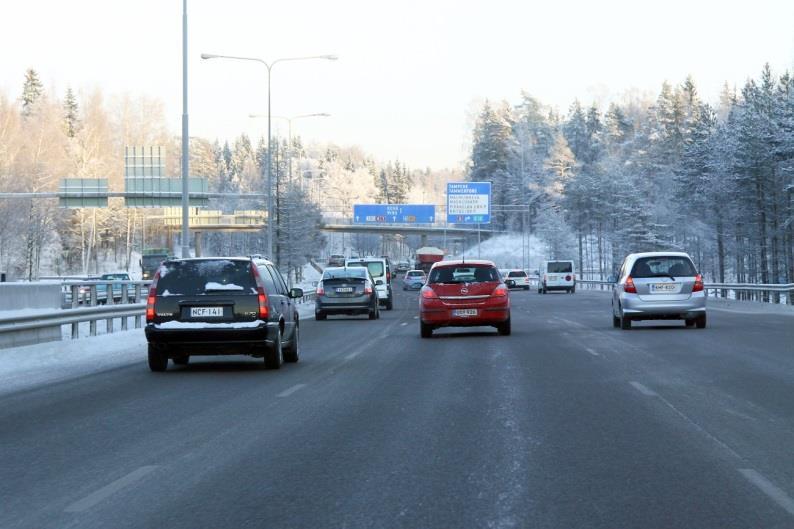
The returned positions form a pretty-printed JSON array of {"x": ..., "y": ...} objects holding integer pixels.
[
  {"x": 289, "y": 129},
  {"x": 269, "y": 177},
  {"x": 185, "y": 142}
]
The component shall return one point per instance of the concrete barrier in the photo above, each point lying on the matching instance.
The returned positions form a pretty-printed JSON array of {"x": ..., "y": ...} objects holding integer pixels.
[{"x": 27, "y": 298}]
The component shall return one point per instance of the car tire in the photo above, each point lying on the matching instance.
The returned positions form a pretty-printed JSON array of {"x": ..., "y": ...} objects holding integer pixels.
[
  {"x": 373, "y": 314},
  {"x": 181, "y": 360},
  {"x": 545, "y": 291},
  {"x": 158, "y": 360},
  {"x": 425, "y": 330},
  {"x": 504, "y": 328},
  {"x": 625, "y": 322},
  {"x": 320, "y": 316},
  {"x": 526, "y": 287},
  {"x": 573, "y": 290},
  {"x": 615, "y": 321},
  {"x": 389, "y": 303},
  {"x": 274, "y": 357},
  {"x": 700, "y": 322},
  {"x": 292, "y": 353}
]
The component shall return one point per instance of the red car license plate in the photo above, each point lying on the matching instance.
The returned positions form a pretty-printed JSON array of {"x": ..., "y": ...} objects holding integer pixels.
[{"x": 464, "y": 313}]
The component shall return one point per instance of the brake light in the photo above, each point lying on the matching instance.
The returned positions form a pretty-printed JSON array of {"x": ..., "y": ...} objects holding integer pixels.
[
  {"x": 388, "y": 276},
  {"x": 500, "y": 291},
  {"x": 320, "y": 290},
  {"x": 629, "y": 286},
  {"x": 429, "y": 293},
  {"x": 698, "y": 284},
  {"x": 367, "y": 288},
  {"x": 261, "y": 296},
  {"x": 150, "y": 300}
]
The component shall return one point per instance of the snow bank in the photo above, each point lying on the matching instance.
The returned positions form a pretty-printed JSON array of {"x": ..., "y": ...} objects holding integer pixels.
[{"x": 506, "y": 251}]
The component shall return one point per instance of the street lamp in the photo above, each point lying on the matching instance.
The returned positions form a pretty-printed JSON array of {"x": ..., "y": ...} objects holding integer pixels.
[
  {"x": 289, "y": 129},
  {"x": 269, "y": 67}
]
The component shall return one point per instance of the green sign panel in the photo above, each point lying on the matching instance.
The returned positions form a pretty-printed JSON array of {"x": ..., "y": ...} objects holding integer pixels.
[
  {"x": 83, "y": 193},
  {"x": 160, "y": 192}
]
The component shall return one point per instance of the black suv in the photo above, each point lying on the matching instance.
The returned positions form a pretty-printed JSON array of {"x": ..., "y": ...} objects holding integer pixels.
[{"x": 216, "y": 306}]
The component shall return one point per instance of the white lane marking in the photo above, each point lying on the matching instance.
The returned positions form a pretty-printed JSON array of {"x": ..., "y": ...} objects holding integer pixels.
[
  {"x": 591, "y": 351},
  {"x": 770, "y": 489},
  {"x": 644, "y": 390},
  {"x": 403, "y": 324},
  {"x": 289, "y": 391},
  {"x": 353, "y": 355},
  {"x": 416, "y": 317},
  {"x": 96, "y": 497}
]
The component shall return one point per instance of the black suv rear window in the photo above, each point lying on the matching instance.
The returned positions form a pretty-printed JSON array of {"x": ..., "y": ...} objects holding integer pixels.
[
  {"x": 561, "y": 267},
  {"x": 216, "y": 276},
  {"x": 664, "y": 266}
]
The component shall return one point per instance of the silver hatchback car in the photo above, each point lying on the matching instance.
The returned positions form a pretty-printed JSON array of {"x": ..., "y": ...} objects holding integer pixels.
[{"x": 658, "y": 286}]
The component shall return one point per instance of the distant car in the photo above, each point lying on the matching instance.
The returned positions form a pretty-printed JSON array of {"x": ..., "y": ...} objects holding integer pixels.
[
  {"x": 218, "y": 306},
  {"x": 464, "y": 294},
  {"x": 517, "y": 279},
  {"x": 557, "y": 275},
  {"x": 414, "y": 279},
  {"x": 336, "y": 260},
  {"x": 347, "y": 290},
  {"x": 102, "y": 289},
  {"x": 379, "y": 270},
  {"x": 658, "y": 286},
  {"x": 403, "y": 266}
]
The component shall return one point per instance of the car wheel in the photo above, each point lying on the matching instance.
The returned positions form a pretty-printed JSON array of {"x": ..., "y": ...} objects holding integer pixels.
[
  {"x": 526, "y": 287},
  {"x": 615, "y": 321},
  {"x": 625, "y": 322},
  {"x": 389, "y": 303},
  {"x": 181, "y": 360},
  {"x": 573, "y": 290},
  {"x": 545, "y": 291},
  {"x": 504, "y": 328},
  {"x": 319, "y": 316},
  {"x": 292, "y": 353},
  {"x": 158, "y": 361},
  {"x": 701, "y": 322},
  {"x": 373, "y": 314},
  {"x": 425, "y": 330},
  {"x": 275, "y": 357}
]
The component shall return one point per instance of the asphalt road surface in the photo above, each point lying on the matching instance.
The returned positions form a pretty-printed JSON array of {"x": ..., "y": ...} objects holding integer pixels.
[{"x": 568, "y": 423}]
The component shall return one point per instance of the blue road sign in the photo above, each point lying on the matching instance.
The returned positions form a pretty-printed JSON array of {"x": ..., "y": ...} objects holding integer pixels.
[
  {"x": 394, "y": 214},
  {"x": 469, "y": 202}
]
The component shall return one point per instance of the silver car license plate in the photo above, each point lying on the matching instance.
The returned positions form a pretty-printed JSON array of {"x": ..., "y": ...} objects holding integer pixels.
[
  {"x": 663, "y": 288},
  {"x": 206, "y": 312},
  {"x": 464, "y": 313}
]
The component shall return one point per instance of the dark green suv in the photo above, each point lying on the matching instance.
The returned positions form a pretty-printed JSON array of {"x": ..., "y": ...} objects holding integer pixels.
[{"x": 218, "y": 306}]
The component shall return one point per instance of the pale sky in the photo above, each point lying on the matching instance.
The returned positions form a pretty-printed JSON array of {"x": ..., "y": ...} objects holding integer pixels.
[{"x": 409, "y": 72}]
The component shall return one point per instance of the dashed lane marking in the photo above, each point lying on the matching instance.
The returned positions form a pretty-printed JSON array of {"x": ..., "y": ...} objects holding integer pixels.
[
  {"x": 643, "y": 389},
  {"x": 770, "y": 489},
  {"x": 591, "y": 351},
  {"x": 110, "y": 489},
  {"x": 289, "y": 391}
]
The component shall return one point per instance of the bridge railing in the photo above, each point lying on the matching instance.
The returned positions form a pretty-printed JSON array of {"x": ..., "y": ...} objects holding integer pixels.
[{"x": 767, "y": 293}]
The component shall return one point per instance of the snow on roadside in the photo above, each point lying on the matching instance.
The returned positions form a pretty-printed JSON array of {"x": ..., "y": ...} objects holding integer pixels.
[
  {"x": 506, "y": 251},
  {"x": 31, "y": 366}
]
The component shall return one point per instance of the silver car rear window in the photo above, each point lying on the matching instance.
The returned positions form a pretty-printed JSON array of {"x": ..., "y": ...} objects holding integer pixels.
[{"x": 663, "y": 266}]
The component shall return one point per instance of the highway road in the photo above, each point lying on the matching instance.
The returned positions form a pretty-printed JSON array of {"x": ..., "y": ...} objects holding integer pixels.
[{"x": 568, "y": 423}]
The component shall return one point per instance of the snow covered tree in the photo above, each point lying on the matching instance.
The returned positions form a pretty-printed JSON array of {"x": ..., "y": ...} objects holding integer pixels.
[{"x": 32, "y": 91}]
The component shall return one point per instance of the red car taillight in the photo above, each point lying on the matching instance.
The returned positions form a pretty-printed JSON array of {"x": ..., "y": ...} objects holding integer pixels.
[
  {"x": 320, "y": 290},
  {"x": 429, "y": 293},
  {"x": 388, "y": 276},
  {"x": 698, "y": 284},
  {"x": 261, "y": 296},
  {"x": 500, "y": 291},
  {"x": 629, "y": 286},
  {"x": 367, "y": 288},
  {"x": 150, "y": 300}
]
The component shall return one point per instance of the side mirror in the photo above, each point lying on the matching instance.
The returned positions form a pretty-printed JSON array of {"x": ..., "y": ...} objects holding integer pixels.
[
  {"x": 612, "y": 279},
  {"x": 296, "y": 293},
  {"x": 378, "y": 282}
]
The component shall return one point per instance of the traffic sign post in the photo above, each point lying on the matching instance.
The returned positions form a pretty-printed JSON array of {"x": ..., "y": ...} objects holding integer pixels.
[
  {"x": 469, "y": 202},
  {"x": 394, "y": 214}
]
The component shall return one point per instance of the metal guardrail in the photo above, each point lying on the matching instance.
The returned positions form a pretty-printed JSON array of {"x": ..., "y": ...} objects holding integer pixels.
[
  {"x": 74, "y": 314},
  {"x": 757, "y": 291}
]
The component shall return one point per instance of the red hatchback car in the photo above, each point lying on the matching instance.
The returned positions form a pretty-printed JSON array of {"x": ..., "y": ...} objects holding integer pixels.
[{"x": 464, "y": 294}]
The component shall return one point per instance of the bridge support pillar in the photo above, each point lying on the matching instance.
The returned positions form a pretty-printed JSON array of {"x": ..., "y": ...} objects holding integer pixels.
[{"x": 198, "y": 243}]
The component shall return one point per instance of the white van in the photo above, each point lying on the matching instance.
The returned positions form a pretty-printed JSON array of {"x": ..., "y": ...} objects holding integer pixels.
[
  {"x": 557, "y": 275},
  {"x": 379, "y": 270}
]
